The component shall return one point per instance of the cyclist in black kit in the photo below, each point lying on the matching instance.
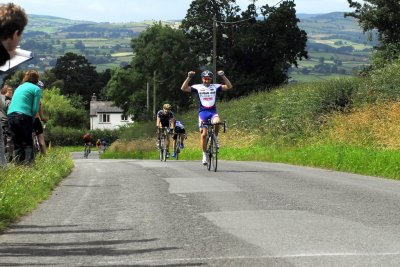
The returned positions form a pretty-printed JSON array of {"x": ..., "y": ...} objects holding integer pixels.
[{"x": 165, "y": 118}]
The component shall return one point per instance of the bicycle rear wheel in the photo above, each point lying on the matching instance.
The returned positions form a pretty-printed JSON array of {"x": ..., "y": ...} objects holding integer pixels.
[
  {"x": 177, "y": 147},
  {"x": 36, "y": 145}
]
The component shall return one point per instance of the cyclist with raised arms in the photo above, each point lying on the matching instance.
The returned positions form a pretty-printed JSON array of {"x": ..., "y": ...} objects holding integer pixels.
[
  {"x": 165, "y": 118},
  {"x": 207, "y": 94}
]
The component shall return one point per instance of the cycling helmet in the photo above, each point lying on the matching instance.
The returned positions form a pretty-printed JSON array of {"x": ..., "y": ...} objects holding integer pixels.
[
  {"x": 207, "y": 73},
  {"x": 167, "y": 106}
]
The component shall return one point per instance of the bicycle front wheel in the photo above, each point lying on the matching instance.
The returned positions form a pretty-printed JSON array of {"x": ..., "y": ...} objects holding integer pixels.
[
  {"x": 86, "y": 153},
  {"x": 214, "y": 154},
  {"x": 161, "y": 146},
  {"x": 209, "y": 152}
]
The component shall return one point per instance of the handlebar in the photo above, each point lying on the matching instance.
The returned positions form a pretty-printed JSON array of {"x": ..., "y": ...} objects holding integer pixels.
[
  {"x": 210, "y": 123},
  {"x": 168, "y": 130}
]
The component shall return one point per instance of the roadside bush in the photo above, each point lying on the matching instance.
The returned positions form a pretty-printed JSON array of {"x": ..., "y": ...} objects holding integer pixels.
[
  {"x": 291, "y": 112},
  {"x": 382, "y": 85},
  {"x": 146, "y": 129},
  {"x": 63, "y": 136}
]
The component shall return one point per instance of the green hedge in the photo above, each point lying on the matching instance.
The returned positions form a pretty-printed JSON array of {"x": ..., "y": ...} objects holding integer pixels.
[{"x": 62, "y": 136}]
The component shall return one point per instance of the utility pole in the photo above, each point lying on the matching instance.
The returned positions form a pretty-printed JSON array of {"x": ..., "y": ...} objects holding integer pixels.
[
  {"x": 154, "y": 94},
  {"x": 214, "y": 63},
  {"x": 148, "y": 97}
]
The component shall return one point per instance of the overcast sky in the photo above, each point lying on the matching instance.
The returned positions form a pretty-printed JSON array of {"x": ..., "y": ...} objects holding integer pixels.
[{"x": 139, "y": 10}]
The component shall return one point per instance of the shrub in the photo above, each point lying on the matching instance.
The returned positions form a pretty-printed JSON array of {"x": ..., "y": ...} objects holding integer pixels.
[
  {"x": 382, "y": 85},
  {"x": 63, "y": 136}
]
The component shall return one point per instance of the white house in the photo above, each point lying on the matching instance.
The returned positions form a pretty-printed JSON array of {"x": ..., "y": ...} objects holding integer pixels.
[{"x": 104, "y": 115}]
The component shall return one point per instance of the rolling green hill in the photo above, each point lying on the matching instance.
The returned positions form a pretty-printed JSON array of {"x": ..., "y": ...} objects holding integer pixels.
[
  {"x": 105, "y": 45},
  {"x": 336, "y": 45}
]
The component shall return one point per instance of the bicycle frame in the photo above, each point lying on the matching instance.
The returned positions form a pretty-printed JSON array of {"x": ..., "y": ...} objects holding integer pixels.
[
  {"x": 86, "y": 151},
  {"x": 177, "y": 148},
  {"x": 212, "y": 149},
  {"x": 162, "y": 145}
]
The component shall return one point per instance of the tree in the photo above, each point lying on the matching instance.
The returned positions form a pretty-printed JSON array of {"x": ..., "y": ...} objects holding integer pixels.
[
  {"x": 79, "y": 76},
  {"x": 121, "y": 86},
  {"x": 263, "y": 50},
  {"x": 80, "y": 45},
  {"x": 162, "y": 58},
  {"x": 256, "y": 53},
  {"x": 61, "y": 112},
  {"x": 383, "y": 16},
  {"x": 198, "y": 25}
]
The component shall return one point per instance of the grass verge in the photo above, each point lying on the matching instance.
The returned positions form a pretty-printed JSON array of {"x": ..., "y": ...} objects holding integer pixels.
[
  {"x": 335, "y": 156},
  {"x": 22, "y": 188}
]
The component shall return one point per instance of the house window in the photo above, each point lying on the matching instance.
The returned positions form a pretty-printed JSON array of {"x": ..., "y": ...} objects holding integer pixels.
[
  {"x": 104, "y": 118},
  {"x": 124, "y": 117}
]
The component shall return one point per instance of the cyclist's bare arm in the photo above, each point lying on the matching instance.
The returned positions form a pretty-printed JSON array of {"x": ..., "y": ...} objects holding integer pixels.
[
  {"x": 158, "y": 123},
  {"x": 227, "y": 85},
  {"x": 185, "y": 86}
]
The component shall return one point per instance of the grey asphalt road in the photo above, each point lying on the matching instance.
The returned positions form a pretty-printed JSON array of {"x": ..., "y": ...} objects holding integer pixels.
[{"x": 176, "y": 213}]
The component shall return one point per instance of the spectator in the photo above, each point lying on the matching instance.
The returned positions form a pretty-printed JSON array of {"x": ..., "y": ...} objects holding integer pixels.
[
  {"x": 6, "y": 98},
  {"x": 23, "y": 107},
  {"x": 13, "y": 20},
  {"x": 2, "y": 150}
]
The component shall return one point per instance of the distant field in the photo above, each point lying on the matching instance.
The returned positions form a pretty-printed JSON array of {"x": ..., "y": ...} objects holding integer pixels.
[
  {"x": 104, "y": 39},
  {"x": 314, "y": 77},
  {"x": 123, "y": 54}
]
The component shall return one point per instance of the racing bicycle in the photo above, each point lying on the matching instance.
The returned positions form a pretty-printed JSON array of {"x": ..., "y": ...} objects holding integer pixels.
[
  {"x": 211, "y": 144},
  {"x": 177, "y": 148},
  {"x": 86, "y": 151},
  {"x": 162, "y": 142}
]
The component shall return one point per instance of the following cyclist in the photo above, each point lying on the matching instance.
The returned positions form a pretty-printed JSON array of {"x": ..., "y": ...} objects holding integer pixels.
[
  {"x": 179, "y": 129},
  {"x": 207, "y": 94},
  {"x": 87, "y": 140},
  {"x": 165, "y": 118},
  {"x": 104, "y": 143},
  {"x": 98, "y": 144}
]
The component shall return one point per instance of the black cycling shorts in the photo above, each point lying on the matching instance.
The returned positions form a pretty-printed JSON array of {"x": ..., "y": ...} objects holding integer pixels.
[
  {"x": 37, "y": 126},
  {"x": 181, "y": 131}
]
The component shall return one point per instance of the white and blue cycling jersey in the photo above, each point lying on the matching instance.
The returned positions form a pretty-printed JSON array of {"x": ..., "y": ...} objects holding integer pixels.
[
  {"x": 179, "y": 125},
  {"x": 207, "y": 96},
  {"x": 207, "y": 101}
]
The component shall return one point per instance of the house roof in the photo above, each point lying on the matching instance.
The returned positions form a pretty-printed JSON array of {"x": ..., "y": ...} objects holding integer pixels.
[{"x": 103, "y": 107}]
